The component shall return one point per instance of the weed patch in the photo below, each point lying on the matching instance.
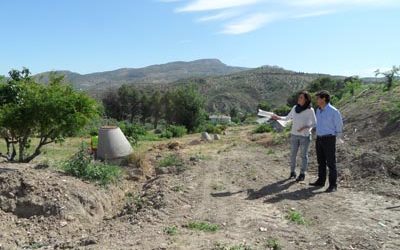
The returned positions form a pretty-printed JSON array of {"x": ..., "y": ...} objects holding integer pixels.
[{"x": 203, "y": 226}]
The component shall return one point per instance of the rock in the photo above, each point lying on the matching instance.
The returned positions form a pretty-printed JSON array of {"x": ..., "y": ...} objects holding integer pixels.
[
  {"x": 206, "y": 137},
  {"x": 174, "y": 145},
  {"x": 217, "y": 137}
]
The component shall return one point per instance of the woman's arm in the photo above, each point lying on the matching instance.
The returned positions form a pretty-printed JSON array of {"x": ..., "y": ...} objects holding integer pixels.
[{"x": 284, "y": 118}]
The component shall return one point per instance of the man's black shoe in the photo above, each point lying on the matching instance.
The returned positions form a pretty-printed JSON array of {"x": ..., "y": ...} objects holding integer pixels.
[
  {"x": 292, "y": 175},
  {"x": 331, "y": 190},
  {"x": 301, "y": 177},
  {"x": 317, "y": 184}
]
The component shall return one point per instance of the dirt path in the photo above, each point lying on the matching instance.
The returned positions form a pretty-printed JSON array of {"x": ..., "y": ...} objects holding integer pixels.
[{"x": 241, "y": 186}]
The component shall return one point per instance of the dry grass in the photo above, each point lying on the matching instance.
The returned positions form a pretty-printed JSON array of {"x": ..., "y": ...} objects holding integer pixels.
[{"x": 139, "y": 160}]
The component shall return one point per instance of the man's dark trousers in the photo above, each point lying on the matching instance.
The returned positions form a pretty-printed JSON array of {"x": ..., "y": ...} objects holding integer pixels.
[{"x": 326, "y": 156}]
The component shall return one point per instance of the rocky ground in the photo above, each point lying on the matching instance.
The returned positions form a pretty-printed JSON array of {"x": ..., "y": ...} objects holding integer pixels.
[{"x": 237, "y": 184}]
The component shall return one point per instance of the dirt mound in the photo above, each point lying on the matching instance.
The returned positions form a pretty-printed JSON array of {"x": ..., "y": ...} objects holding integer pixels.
[{"x": 28, "y": 192}]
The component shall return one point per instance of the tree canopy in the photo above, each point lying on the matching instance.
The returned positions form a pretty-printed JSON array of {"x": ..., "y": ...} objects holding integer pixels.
[{"x": 48, "y": 112}]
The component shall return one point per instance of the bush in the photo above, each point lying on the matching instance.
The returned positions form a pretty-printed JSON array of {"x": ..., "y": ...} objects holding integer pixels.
[
  {"x": 174, "y": 131},
  {"x": 263, "y": 128},
  {"x": 132, "y": 131},
  {"x": 81, "y": 166},
  {"x": 215, "y": 129},
  {"x": 282, "y": 111}
]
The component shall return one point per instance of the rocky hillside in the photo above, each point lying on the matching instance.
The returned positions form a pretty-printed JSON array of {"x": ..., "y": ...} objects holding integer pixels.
[
  {"x": 246, "y": 89},
  {"x": 155, "y": 74}
]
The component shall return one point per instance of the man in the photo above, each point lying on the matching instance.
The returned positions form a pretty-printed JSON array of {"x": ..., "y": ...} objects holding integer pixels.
[{"x": 329, "y": 128}]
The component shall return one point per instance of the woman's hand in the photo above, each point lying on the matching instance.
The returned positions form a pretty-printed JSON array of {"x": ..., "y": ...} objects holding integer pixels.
[
  {"x": 275, "y": 117},
  {"x": 301, "y": 129}
]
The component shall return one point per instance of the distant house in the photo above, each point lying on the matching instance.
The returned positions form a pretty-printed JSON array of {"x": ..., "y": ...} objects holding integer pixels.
[{"x": 220, "y": 119}]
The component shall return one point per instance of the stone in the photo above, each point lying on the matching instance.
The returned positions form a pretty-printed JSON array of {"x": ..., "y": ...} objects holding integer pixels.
[{"x": 206, "y": 137}]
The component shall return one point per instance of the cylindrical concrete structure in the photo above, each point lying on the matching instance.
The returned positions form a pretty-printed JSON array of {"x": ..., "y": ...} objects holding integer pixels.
[{"x": 112, "y": 144}]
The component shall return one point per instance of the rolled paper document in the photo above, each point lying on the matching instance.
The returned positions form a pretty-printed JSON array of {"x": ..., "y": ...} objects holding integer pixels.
[{"x": 264, "y": 113}]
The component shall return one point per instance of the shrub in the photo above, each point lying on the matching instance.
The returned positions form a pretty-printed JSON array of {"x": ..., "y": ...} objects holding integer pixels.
[
  {"x": 132, "y": 131},
  {"x": 215, "y": 129},
  {"x": 80, "y": 165},
  {"x": 263, "y": 128},
  {"x": 174, "y": 131}
]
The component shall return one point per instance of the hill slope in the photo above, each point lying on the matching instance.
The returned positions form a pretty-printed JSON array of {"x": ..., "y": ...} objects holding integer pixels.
[
  {"x": 246, "y": 89},
  {"x": 155, "y": 74}
]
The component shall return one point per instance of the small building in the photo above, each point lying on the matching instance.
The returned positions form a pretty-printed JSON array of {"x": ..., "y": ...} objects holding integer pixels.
[{"x": 220, "y": 119}]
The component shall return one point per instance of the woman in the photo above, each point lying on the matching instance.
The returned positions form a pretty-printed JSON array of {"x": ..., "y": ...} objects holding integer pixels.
[{"x": 304, "y": 121}]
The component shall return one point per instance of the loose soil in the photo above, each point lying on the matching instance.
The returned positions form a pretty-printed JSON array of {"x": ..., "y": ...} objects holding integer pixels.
[{"x": 238, "y": 183}]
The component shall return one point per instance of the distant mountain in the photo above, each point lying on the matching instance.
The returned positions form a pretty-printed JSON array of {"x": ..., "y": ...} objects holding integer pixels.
[
  {"x": 223, "y": 86},
  {"x": 155, "y": 74}
]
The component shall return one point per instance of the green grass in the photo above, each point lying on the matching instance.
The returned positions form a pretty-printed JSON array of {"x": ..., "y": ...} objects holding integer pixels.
[
  {"x": 273, "y": 244},
  {"x": 169, "y": 161},
  {"x": 53, "y": 152},
  {"x": 296, "y": 217},
  {"x": 173, "y": 230},
  {"x": 203, "y": 226}
]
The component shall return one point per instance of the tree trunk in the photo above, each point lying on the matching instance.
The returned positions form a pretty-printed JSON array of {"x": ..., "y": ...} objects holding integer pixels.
[{"x": 21, "y": 151}]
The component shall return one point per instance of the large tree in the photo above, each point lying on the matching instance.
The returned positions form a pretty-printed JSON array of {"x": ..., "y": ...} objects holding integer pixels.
[
  {"x": 47, "y": 112},
  {"x": 188, "y": 107}
]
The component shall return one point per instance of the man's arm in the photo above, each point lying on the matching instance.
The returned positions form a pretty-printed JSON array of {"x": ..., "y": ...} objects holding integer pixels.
[{"x": 338, "y": 121}]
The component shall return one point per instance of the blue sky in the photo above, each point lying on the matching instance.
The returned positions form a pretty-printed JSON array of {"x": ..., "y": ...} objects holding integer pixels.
[{"x": 350, "y": 37}]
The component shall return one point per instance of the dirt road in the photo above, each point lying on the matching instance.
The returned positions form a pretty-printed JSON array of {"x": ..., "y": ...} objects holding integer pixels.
[{"x": 241, "y": 187}]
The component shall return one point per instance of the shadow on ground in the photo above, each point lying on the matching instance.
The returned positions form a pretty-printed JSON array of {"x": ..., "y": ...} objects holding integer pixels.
[{"x": 274, "y": 192}]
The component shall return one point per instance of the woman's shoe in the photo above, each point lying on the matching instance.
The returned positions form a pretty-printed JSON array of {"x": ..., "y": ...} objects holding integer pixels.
[
  {"x": 301, "y": 177},
  {"x": 292, "y": 175}
]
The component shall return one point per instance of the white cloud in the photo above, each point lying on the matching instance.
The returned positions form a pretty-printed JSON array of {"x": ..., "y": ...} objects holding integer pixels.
[
  {"x": 340, "y": 2},
  {"x": 248, "y": 24},
  {"x": 243, "y": 16},
  {"x": 219, "y": 16},
  {"x": 206, "y": 5}
]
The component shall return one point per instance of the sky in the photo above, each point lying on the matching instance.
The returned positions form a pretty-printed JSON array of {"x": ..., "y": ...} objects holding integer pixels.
[{"x": 342, "y": 37}]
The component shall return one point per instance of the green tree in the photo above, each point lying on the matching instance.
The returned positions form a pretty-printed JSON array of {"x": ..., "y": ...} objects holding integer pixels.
[
  {"x": 390, "y": 76},
  {"x": 112, "y": 105},
  {"x": 168, "y": 107},
  {"x": 352, "y": 84},
  {"x": 188, "y": 107},
  {"x": 156, "y": 108},
  {"x": 145, "y": 107},
  {"x": 49, "y": 112},
  {"x": 129, "y": 99}
]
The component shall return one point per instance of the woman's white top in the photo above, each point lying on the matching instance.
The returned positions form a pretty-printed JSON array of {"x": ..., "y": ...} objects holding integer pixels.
[{"x": 304, "y": 119}]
